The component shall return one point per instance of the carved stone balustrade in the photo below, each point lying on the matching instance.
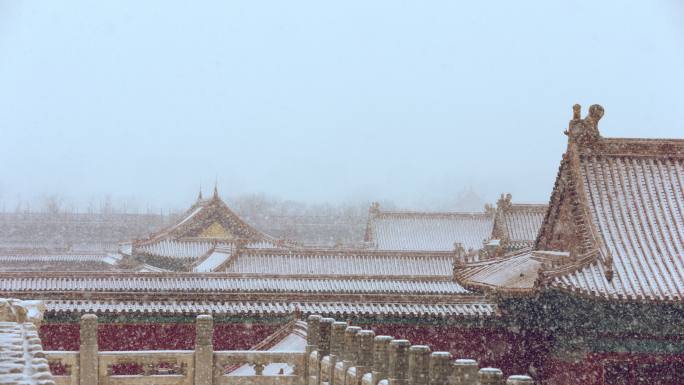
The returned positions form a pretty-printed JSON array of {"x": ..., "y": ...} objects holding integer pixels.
[{"x": 335, "y": 354}]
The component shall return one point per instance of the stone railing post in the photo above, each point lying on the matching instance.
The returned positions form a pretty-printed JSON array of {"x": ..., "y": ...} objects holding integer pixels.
[
  {"x": 491, "y": 376},
  {"x": 380, "y": 357},
  {"x": 398, "y": 362},
  {"x": 337, "y": 339},
  {"x": 465, "y": 372},
  {"x": 440, "y": 368},
  {"x": 312, "y": 335},
  {"x": 312, "y": 332},
  {"x": 324, "y": 332},
  {"x": 329, "y": 362},
  {"x": 419, "y": 365},
  {"x": 348, "y": 356},
  {"x": 320, "y": 329},
  {"x": 364, "y": 342},
  {"x": 336, "y": 351},
  {"x": 519, "y": 380},
  {"x": 351, "y": 348},
  {"x": 88, "y": 350},
  {"x": 204, "y": 350}
]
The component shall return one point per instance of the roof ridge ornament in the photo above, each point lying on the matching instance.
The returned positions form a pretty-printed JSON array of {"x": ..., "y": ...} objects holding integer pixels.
[
  {"x": 374, "y": 208},
  {"x": 504, "y": 201},
  {"x": 585, "y": 131}
]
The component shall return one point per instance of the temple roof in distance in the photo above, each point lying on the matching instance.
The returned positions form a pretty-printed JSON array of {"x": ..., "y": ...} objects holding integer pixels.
[
  {"x": 512, "y": 226},
  {"x": 59, "y": 262},
  {"x": 517, "y": 224},
  {"x": 426, "y": 231},
  {"x": 331, "y": 262},
  {"x": 206, "y": 225}
]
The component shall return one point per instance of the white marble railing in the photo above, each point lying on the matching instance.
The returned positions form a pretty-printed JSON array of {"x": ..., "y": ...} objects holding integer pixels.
[
  {"x": 201, "y": 366},
  {"x": 339, "y": 354},
  {"x": 336, "y": 354}
]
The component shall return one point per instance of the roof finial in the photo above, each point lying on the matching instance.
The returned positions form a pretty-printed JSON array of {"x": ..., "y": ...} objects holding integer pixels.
[
  {"x": 216, "y": 189},
  {"x": 576, "y": 112},
  {"x": 374, "y": 208},
  {"x": 199, "y": 196},
  {"x": 585, "y": 131},
  {"x": 596, "y": 112}
]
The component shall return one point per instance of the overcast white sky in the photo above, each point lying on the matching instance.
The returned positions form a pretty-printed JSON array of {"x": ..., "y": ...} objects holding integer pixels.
[{"x": 319, "y": 101}]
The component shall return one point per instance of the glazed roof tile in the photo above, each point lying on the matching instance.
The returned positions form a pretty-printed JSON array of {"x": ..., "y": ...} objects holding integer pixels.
[
  {"x": 58, "y": 262},
  {"x": 636, "y": 203},
  {"x": 182, "y": 283},
  {"x": 429, "y": 231},
  {"x": 476, "y": 309},
  {"x": 523, "y": 221},
  {"x": 517, "y": 271},
  {"x": 342, "y": 262}
]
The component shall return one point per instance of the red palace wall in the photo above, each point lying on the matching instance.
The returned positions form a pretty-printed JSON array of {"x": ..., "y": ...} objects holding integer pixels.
[
  {"x": 513, "y": 353},
  {"x": 617, "y": 369}
]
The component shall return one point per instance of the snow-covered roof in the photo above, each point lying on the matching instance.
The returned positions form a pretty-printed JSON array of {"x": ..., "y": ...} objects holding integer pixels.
[
  {"x": 517, "y": 224},
  {"x": 59, "y": 261},
  {"x": 518, "y": 271},
  {"x": 618, "y": 209},
  {"x": 214, "y": 260},
  {"x": 176, "y": 249},
  {"x": 427, "y": 231},
  {"x": 178, "y": 283},
  {"x": 614, "y": 227},
  {"x": 636, "y": 204},
  {"x": 190, "y": 243},
  {"x": 473, "y": 308},
  {"x": 341, "y": 262},
  {"x": 22, "y": 360},
  {"x": 207, "y": 220}
]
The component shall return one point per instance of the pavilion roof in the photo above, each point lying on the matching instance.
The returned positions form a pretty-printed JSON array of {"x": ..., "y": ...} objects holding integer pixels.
[{"x": 206, "y": 225}]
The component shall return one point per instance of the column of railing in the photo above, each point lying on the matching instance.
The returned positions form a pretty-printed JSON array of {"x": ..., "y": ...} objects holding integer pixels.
[{"x": 339, "y": 354}]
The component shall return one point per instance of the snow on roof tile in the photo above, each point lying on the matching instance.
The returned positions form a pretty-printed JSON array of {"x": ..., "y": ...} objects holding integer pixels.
[
  {"x": 176, "y": 249},
  {"x": 278, "y": 308},
  {"x": 153, "y": 282},
  {"x": 429, "y": 231},
  {"x": 517, "y": 271},
  {"x": 22, "y": 360},
  {"x": 342, "y": 262},
  {"x": 523, "y": 221},
  {"x": 636, "y": 204}
]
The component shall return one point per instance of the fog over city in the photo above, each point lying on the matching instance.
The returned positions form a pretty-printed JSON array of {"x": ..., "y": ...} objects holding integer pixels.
[{"x": 140, "y": 103}]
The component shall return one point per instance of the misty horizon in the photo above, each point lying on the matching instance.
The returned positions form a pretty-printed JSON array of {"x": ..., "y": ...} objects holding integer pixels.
[{"x": 320, "y": 103}]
